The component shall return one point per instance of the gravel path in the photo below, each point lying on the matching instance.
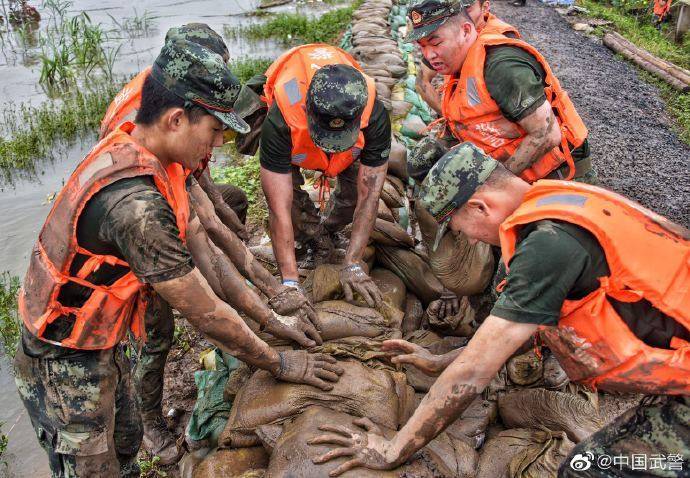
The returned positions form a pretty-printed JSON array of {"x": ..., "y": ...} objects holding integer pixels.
[{"x": 634, "y": 148}]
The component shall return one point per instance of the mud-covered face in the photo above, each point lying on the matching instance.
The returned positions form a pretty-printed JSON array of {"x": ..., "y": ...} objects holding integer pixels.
[
  {"x": 192, "y": 142},
  {"x": 446, "y": 48}
]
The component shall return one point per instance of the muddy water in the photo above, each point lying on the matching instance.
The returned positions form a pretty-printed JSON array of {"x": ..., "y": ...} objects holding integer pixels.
[{"x": 25, "y": 203}]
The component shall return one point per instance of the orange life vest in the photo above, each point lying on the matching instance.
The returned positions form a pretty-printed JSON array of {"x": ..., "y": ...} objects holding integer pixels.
[
  {"x": 474, "y": 116},
  {"x": 110, "y": 311},
  {"x": 661, "y": 7},
  {"x": 648, "y": 258},
  {"x": 287, "y": 81},
  {"x": 494, "y": 25}
]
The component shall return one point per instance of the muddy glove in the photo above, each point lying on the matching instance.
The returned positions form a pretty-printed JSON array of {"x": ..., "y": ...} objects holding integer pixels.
[
  {"x": 299, "y": 366},
  {"x": 288, "y": 327},
  {"x": 292, "y": 300},
  {"x": 447, "y": 306},
  {"x": 353, "y": 278}
]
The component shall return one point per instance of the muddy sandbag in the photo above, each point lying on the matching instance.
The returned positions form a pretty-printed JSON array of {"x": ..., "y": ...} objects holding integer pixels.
[
  {"x": 397, "y": 160},
  {"x": 452, "y": 456},
  {"x": 435, "y": 344},
  {"x": 393, "y": 193},
  {"x": 463, "y": 268},
  {"x": 264, "y": 254},
  {"x": 570, "y": 413},
  {"x": 384, "y": 212},
  {"x": 337, "y": 319},
  {"x": 525, "y": 369},
  {"x": 554, "y": 375},
  {"x": 414, "y": 310},
  {"x": 325, "y": 283},
  {"x": 368, "y": 351},
  {"x": 391, "y": 286},
  {"x": 268, "y": 435},
  {"x": 412, "y": 269},
  {"x": 232, "y": 463},
  {"x": 390, "y": 234},
  {"x": 524, "y": 453},
  {"x": 292, "y": 456},
  {"x": 383, "y": 396}
]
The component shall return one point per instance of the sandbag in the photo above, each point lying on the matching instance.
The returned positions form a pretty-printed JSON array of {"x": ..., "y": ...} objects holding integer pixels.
[
  {"x": 524, "y": 453},
  {"x": 413, "y": 127},
  {"x": 384, "y": 212},
  {"x": 554, "y": 375},
  {"x": 366, "y": 350},
  {"x": 463, "y": 268},
  {"x": 452, "y": 456},
  {"x": 383, "y": 396},
  {"x": 337, "y": 319},
  {"x": 391, "y": 194},
  {"x": 397, "y": 161},
  {"x": 383, "y": 92},
  {"x": 570, "y": 413},
  {"x": 412, "y": 269},
  {"x": 390, "y": 234},
  {"x": 413, "y": 313},
  {"x": 525, "y": 369},
  {"x": 292, "y": 455},
  {"x": 462, "y": 324},
  {"x": 325, "y": 283},
  {"x": 420, "y": 381},
  {"x": 391, "y": 286},
  {"x": 264, "y": 254},
  {"x": 232, "y": 463}
]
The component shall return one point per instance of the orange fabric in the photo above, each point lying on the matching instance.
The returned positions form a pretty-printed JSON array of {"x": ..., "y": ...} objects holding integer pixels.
[
  {"x": 288, "y": 79},
  {"x": 648, "y": 256},
  {"x": 110, "y": 311},
  {"x": 125, "y": 105},
  {"x": 661, "y": 7},
  {"x": 496, "y": 26},
  {"x": 474, "y": 116}
]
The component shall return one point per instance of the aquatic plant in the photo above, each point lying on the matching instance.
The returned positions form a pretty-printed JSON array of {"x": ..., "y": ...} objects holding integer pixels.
[
  {"x": 9, "y": 320},
  {"x": 136, "y": 25},
  {"x": 245, "y": 68}
]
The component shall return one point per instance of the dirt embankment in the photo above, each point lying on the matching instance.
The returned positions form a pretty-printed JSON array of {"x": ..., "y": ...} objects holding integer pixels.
[{"x": 634, "y": 148}]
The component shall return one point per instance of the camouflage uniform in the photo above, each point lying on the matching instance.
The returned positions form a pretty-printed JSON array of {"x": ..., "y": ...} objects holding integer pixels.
[
  {"x": 75, "y": 403},
  {"x": 647, "y": 430}
]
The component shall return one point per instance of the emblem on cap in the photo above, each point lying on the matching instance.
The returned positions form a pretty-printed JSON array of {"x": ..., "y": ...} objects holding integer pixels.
[
  {"x": 336, "y": 123},
  {"x": 416, "y": 17}
]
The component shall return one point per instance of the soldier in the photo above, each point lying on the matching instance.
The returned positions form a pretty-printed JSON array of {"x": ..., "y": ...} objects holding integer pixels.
[
  {"x": 116, "y": 231},
  {"x": 500, "y": 94},
  {"x": 323, "y": 115},
  {"x": 217, "y": 217},
  {"x": 604, "y": 279}
]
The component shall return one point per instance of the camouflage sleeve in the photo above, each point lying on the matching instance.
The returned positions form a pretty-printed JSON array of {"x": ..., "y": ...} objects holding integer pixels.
[
  {"x": 142, "y": 227},
  {"x": 545, "y": 269},
  {"x": 275, "y": 145},
  {"x": 377, "y": 137}
]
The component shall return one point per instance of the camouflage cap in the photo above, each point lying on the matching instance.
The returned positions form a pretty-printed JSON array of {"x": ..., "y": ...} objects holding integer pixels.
[
  {"x": 200, "y": 76},
  {"x": 201, "y": 34},
  {"x": 452, "y": 181},
  {"x": 427, "y": 16},
  {"x": 336, "y": 99},
  {"x": 423, "y": 156}
]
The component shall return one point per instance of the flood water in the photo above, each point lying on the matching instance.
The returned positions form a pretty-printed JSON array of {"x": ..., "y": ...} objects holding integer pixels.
[{"x": 25, "y": 202}]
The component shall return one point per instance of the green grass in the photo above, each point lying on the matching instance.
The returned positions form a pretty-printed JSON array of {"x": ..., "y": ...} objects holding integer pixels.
[
  {"x": 4, "y": 440},
  {"x": 245, "y": 68},
  {"x": 637, "y": 28},
  {"x": 150, "y": 466},
  {"x": 9, "y": 319},
  {"x": 243, "y": 172},
  {"x": 30, "y": 132},
  {"x": 293, "y": 28}
]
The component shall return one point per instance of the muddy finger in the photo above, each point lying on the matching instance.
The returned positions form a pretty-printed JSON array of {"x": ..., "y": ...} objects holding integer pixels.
[
  {"x": 336, "y": 369},
  {"x": 347, "y": 290},
  {"x": 318, "y": 383},
  {"x": 367, "y": 424},
  {"x": 361, "y": 290},
  {"x": 311, "y": 332},
  {"x": 326, "y": 375},
  {"x": 325, "y": 358},
  {"x": 340, "y": 429},
  {"x": 333, "y": 454},
  {"x": 330, "y": 439},
  {"x": 348, "y": 465},
  {"x": 397, "y": 346}
]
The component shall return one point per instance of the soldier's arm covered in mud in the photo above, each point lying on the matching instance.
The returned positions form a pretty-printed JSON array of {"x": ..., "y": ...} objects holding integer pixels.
[
  {"x": 458, "y": 386},
  {"x": 224, "y": 212},
  {"x": 192, "y": 295},
  {"x": 285, "y": 301},
  {"x": 542, "y": 134}
]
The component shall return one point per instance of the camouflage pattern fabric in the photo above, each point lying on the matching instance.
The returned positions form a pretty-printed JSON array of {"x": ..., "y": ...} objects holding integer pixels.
[
  {"x": 200, "y": 76},
  {"x": 336, "y": 99},
  {"x": 427, "y": 16},
  {"x": 201, "y": 34},
  {"x": 84, "y": 412},
  {"x": 658, "y": 432},
  {"x": 423, "y": 156}
]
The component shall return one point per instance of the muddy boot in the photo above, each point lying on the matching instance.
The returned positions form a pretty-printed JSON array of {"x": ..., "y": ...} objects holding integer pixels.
[{"x": 159, "y": 441}]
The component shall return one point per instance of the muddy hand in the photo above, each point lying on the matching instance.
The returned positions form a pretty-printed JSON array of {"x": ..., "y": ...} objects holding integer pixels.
[
  {"x": 353, "y": 278},
  {"x": 289, "y": 327},
  {"x": 292, "y": 300},
  {"x": 404, "y": 352},
  {"x": 447, "y": 306},
  {"x": 299, "y": 366},
  {"x": 365, "y": 446}
]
